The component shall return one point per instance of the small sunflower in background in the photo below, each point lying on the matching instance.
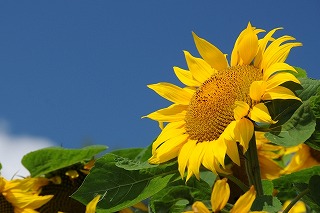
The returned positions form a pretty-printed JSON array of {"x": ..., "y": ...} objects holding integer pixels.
[
  {"x": 220, "y": 103},
  {"x": 62, "y": 184}
]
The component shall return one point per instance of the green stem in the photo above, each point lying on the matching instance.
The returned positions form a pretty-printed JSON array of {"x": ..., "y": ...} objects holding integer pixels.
[
  {"x": 253, "y": 167},
  {"x": 296, "y": 199},
  {"x": 238, "y": 182}
]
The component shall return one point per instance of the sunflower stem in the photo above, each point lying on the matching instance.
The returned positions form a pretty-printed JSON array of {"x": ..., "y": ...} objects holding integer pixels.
[
  {"x": 296, "y": 199},
  {"x": 238, "y": 182},
  {"x": 252, "y": 166}
]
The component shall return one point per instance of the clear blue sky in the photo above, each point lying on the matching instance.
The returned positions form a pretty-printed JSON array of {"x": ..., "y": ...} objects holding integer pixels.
[{"x": 73, "y": 71}]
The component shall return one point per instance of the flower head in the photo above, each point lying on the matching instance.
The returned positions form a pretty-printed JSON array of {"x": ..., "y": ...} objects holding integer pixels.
[{"x": 219, "y": 103}]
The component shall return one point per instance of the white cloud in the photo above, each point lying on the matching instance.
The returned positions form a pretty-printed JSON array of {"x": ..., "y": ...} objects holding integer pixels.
[{"x": 14, "y": 147}]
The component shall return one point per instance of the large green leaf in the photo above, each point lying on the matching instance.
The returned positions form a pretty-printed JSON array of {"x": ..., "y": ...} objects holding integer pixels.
[
  {"x": 50, "y": 159},
  {"x": 296, "y": 130},
  {"x": 302, "y": 176},
  {"x": 122, "y": 188},
  {"x": 310, "y": 88}
]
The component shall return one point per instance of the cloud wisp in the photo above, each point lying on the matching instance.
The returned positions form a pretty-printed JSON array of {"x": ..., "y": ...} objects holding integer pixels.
[{"x": 14, "y": 147}]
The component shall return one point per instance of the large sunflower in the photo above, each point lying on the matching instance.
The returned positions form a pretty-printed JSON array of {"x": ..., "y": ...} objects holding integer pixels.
[{"x": 219, "y": 103}]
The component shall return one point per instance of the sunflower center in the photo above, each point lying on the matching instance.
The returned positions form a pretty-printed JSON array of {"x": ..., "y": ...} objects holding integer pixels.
[{"x": 211, "y": 107}]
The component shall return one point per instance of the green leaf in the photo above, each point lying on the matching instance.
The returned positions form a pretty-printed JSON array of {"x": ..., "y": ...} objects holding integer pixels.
[
  {"x": 50, "y": 159},
  {"x": 303, "y": 176},
  {"x": 314, "y": 186},
  {"x": 301, "y": 72},
  {"x": 176, "y": 197},
  {"x": 296, "y": 130},
  {"x": 122, "y": 188},
  {"x": 267, "y": 186},
  {"x": 266, "y": 203},
  {"x": 310, "y": 88},
  {"x": 0, "y": 166}
]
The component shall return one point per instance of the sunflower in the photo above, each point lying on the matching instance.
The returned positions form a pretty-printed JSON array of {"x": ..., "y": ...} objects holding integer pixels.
[
  {"x": 219, "y": 103},
  {"x": 303, "y": 157},
  {"x": 268, "y": 154},
  {"x": 22, "y": 195}
]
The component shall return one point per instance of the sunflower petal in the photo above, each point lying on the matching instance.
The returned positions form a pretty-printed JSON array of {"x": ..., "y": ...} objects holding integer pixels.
[
  {"x": 211, "y": 54},
  {"x": 275, "y": 68},
  {"x": 198, "y": 206},
  {"x": 232, "y": 151},
  {"x": 279, "y": 79},
  {"x": 257, "y": 89},
  {"x": 169, "y": 149},
  {"x": 220, "y": 195},
  {"x": 241, "y": 110},
  {"x": 248, "y": 46},
  {"x": 91, "y": 207},
  {"x": 262, "y": 46},
  {"x": 245, "y": 201},
  {"x": 196, "y": 159},
  {"x": 185, "y": 77},
  {"x": 260, "y": 113},
  {"x": 171, "y": 92},
  {"x": 279, "y": 92},
  {"x": 184, "y": 155},
  {"x": 171, "y": 130},
  {"x": 244, "y": 132},
  {"x": 200, "y": 69},
  {"x": 219, "y": 148},
  {"x": 174, "y": 112}
]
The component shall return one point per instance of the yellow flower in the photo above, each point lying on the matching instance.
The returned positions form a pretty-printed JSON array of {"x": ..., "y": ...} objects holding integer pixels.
[
  {"x": 219, "y": 102},
  {"x": 219, "y": 197},
  {"x": 21, "y": 195},
  {"x": 299, "y": 207},
  {"x": 303, "y": 157},
  {"x": 267, "y": 154}
]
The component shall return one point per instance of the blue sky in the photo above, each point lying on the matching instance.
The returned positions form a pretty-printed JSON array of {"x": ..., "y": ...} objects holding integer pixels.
[{"x": 75, "y": 72}]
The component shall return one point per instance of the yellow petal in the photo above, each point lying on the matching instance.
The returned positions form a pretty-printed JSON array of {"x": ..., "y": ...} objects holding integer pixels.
[
  {"x": 279, "y": 92},
  {"x": 241, "y": 110},
  {"x": 220, "y": 195},
  {"x": 219, "y": 148},
  {"x": 171, "y": 92},
  {"x": 262, "y": 46},
  {"x": 208, "y": 158},
  {"x": 171, "y": 130},
  {"x": 275, "y": 68},
  {"x": 260, "y": 113},
  {"x": 248, "y": 46},
  {"x": 232, "y": 151},
  {"x": 196, "y": 159},
  {"x": 24, "y": 199},
  {"x": 141, "y": 206},
  {"x": 211, "y": 54},
  {"x": 184, "y": 155},
  {"x": 200, "y": 69},
  {"x": 245, "y": 201},
  {"x": 186, "y": 77},
  {"x": 280, "y": 78},
  {"x": 169, "y": 149},
  {"x": 199, "y": 207},
  {"x": 257, "y": 90},
  {"x": 91, "y": 207},
  {"x": 175, "y": 112},
  {"x": 276, "y": 52},
  {"x": 244, "y": 132}
]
